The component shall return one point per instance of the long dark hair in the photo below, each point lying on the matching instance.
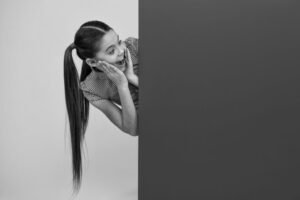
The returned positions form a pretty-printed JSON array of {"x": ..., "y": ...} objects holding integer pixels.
[{"x": 86, "y": 43}]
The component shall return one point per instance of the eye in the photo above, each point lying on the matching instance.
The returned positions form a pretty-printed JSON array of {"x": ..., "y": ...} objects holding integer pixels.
[{"x": 111, "y": 52}]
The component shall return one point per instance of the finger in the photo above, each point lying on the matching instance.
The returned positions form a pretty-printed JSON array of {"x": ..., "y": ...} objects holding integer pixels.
[
  {"x": 113, "y": 69},
  {"x": 99, "y": 64},
  {"x": 128, "y": 56},
  {"x": 106, "y": 69}
]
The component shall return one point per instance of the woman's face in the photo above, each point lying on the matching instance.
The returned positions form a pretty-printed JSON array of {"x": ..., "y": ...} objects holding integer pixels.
[{"x": 112, "y": 50}]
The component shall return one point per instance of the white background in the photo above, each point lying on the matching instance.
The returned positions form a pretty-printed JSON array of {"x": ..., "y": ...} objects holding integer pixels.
[{"x": 35, "y": 159}]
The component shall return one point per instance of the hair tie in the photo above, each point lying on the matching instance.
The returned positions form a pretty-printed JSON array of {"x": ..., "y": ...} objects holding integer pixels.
[{"x": 72, "y": 46}]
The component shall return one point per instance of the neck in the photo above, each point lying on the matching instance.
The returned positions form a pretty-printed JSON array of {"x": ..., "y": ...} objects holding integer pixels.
[{"x": 99, "y": 73}]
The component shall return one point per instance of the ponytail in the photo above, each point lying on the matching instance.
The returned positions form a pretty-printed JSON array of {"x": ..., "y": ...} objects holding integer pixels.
[
  {"x": 86, "y": 41},
  {"x": 78, "y": 112}
]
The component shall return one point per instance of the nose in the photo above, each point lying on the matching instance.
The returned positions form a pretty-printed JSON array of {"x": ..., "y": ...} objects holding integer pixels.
[
  {"x": 122, "y": 52},
  {"x": 121, "y": 49}
]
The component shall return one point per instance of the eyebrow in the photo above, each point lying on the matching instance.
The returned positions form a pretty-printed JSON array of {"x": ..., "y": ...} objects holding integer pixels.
[{"x": 112, "y": 45}]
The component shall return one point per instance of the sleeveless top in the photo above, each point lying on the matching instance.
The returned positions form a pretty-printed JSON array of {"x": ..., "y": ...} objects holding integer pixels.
[{"x": 98, "y": 87}]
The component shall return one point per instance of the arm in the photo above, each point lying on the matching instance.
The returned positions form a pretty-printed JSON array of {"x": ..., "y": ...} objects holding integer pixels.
[
  {"x": 126, "y": 118},
  {"x": 131, "y": 52},
  {"x": 134, "y": 79},
  {"x": 129, "y": 112}
]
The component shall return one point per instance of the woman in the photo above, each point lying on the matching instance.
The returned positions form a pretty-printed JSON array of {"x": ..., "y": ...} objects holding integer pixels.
[{"x": 109, "y": 77}]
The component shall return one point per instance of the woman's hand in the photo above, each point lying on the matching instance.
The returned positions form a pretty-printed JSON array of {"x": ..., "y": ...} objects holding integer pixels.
[
  {"x": 129, "y": 73},
  {"x": 114, "y": 74}
]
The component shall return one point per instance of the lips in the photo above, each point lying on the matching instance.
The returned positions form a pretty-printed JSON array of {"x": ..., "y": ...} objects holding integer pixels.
[{"x": 121, "y": 62}]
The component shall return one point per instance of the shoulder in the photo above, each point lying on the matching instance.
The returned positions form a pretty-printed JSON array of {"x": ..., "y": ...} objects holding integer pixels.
[
  {"x": 132, "y": 45},
  {"x": 94, "y": 88},
  {"x": 132, "y": 42}
]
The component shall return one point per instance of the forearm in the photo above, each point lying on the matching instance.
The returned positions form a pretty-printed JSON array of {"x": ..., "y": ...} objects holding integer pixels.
[
  {"x": 129, "y": 114},
  {"x": 134, "y": 79}
]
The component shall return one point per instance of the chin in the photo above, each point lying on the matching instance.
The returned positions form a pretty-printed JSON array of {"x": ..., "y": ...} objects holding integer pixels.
[{"x": 121, "y": 67}]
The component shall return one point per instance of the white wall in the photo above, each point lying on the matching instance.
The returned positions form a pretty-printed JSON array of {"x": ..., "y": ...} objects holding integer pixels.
[{"x": 35, "y": 159}]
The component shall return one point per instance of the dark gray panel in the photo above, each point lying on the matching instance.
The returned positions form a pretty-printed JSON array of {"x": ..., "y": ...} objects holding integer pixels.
[{"x": 219, "y": 100}]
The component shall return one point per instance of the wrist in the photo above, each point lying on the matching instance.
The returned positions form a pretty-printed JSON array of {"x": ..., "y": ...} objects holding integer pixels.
[
  {"x": 131, "y": 76},
  {"x": 123, "y": 86},
  {"x": 134, "y": 80}
]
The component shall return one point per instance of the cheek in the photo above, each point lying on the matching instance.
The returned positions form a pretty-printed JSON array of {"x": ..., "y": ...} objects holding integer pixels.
[
  {"x": 112, "y": 59},
  {"x": 109, "y": 59}
]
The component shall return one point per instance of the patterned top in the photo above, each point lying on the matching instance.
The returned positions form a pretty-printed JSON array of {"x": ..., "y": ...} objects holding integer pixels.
[{"x": 98, "y": 87}]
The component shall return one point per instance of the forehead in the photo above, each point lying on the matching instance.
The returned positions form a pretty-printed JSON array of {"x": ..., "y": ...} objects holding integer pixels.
[{"x": 108, "y": 39}]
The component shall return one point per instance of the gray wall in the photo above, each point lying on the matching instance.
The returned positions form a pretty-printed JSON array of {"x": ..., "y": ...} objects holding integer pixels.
[{"x": 220, "y": 101}]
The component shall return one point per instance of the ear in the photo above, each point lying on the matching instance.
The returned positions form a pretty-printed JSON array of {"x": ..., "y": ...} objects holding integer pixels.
[{"x": 91, "y": 62}]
